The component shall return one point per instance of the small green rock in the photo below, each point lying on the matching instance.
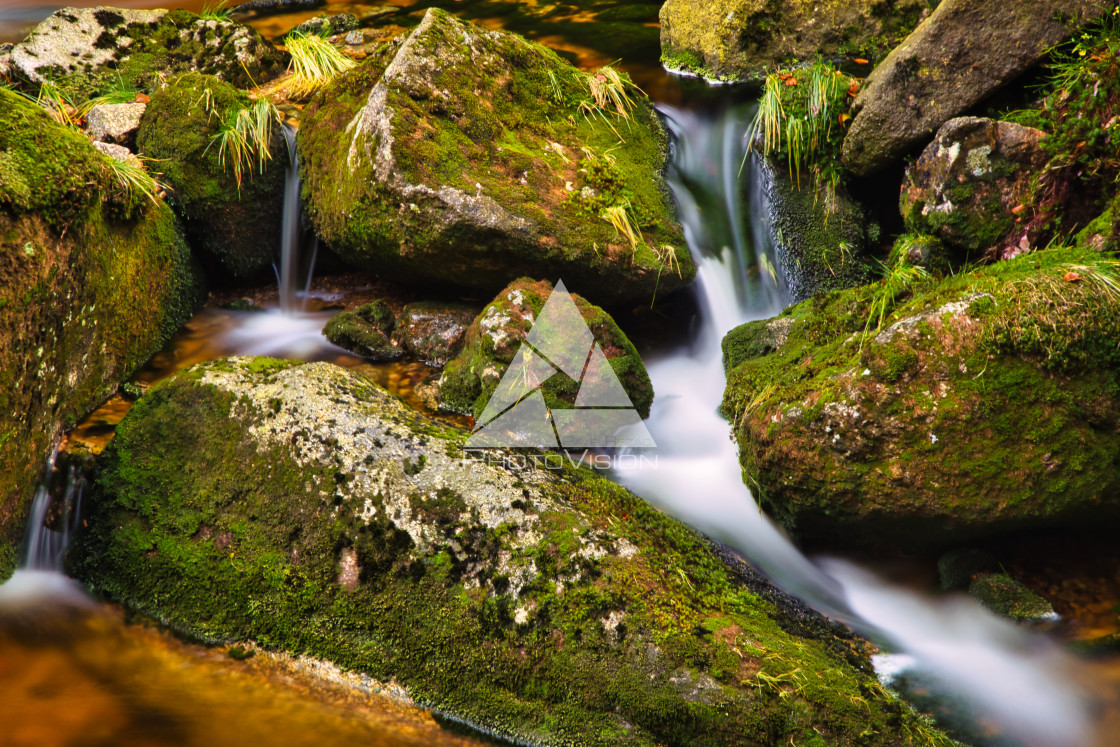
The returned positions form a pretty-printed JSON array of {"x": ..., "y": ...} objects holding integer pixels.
[{"x": 1008, "y": 598}]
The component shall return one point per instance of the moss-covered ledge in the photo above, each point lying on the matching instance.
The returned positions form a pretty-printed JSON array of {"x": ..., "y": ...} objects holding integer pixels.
[
  {"x": 987, "y": 402},
  {"x": 93, "y": 281},
  {"x": 303, "y": 508}
]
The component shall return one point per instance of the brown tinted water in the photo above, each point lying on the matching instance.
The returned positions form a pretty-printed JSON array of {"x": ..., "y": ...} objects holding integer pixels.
[{"x": 81, "y": 675}]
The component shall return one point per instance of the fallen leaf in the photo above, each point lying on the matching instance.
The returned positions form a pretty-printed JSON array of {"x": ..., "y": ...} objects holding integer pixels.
[
  {"x": 142, "y": 98},
  {"x": 860, "y": 61},
  {"x": 854, "y": 88},
  {"x": 1018, "y": 209},
  {"x": 791, "y": 81},
  {"x": 1071, "y": 277}
]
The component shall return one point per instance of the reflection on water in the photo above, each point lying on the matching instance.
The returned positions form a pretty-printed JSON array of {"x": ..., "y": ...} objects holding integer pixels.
[
  {"x": 215, "y": 333},
  {"x": 74, "y": 673}
]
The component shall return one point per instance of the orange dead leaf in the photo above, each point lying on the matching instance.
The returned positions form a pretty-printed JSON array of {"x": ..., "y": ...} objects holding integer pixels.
[
  {"x": 791, "y": 81},
  {"x": 1071, "y": 277},
  {"x": 1018, "y": 209},
  {"x": 860, "y": 61},
  {"x": 142, "y": 98}
]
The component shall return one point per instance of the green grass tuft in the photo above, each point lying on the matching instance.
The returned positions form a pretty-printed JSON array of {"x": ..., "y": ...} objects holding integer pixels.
[
  {"x": 315, "y": 62},
  {"x": 244, "y": 138}
]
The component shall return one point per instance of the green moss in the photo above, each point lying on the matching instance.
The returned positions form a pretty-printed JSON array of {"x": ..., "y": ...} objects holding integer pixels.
[
  {"x": 179, "y": 42},
  {"x": 495, "y": 336},
  {"x": 992, "y": 408},
  {"x": 86, "y": 296},
  {"x": 366, "y": 331},
  {"x": 237, "y": 230},
  {"x": 1008, "y": 598},
  {"x": 491, "y": 136},
  {"x": 662, "y": 645}
]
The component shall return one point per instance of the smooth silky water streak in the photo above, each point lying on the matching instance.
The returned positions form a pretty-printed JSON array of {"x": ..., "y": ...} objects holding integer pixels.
[
  {"x": 39, "y": 577},
  {"x": 290, "y": 227},
  {"x": 1015, "y": 678}
]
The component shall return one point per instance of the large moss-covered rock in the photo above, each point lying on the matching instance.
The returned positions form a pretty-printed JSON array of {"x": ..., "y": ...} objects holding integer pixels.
[
  {"x": 235, "y": 229},
  {"x": 497, "y": 334},
  {"x": 968, "y": 184},
  {"x": 742, "y": 39},
  {"x": 988, "y": 402},
  {"x": 92, "y": 282},
  {"x": 961, "y": 54},
  {"x": 819, "y": 235},
  {"x": 86, "y": 50},
  {"x": 303, "y": 508},
  {"x": 462, "y": 155}
]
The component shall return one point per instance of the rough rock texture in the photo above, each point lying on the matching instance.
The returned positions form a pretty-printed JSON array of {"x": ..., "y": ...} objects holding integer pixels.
[
  {"x": 328, "y": 25},
  {"x": 92, "y": 283},
  {"x": 85, "y": 50},
  {"x": 305, "y": 509},
  {"x": 115, "y": 123},
  {"x": 496, "y": 335},
  {"x": 742, "y": 39},
  {"x": 968, "y": 183},
  {"x": 461, "y": 155},
  {"x": 988, "y": 402},
  {"x": 237, "y": 231},
  {"x": 963, "y": 52},
  {"x": 268, "y": 7},
  {"x": 434, "y": 332},
  {"x": 820, "y": 238},
  {"x": 365, "y": 331},
  {"x": 119, "y": 152}
]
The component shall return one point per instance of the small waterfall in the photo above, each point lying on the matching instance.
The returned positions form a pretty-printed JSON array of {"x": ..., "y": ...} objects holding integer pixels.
[
  {"x": 290, "y": 237},
  {"x": 53, "y": 520},
  {"x": 1012, "y": 677},
  {"x": 44, "y": 548}
]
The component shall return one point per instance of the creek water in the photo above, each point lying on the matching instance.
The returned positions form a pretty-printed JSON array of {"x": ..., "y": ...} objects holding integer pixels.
[{"x": 996, "y": 679}]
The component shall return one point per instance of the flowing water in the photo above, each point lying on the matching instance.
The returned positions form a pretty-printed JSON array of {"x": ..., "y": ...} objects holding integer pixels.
[
  {"x": 1009, "y": 680},
  {"x": 1014, "y": 679}
]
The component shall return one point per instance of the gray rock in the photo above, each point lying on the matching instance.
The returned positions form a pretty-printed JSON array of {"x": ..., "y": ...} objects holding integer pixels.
[
  {"x": 86, "y": 49},
  {"x": 450, "y": 157},
  {"x": 355, "y": 38},
  {"x": 961, "y": 54},
  {"x": 119, "y": 152},
  {"x": 115, "y": 123},
  {"x": 968, "y": 183},
  {"x": 434, "y": 332},
  {"x": 327, "y": 25},
  {"x": 300, "y": 507}
]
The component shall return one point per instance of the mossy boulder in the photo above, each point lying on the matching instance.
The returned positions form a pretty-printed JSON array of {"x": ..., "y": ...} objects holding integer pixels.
[
  {"x": 87, "y": 50},
  {"x": 819, "y": 234},
  {"x": 434, "y": 332},
  {"x": 742, "y": 39},
  {"x": 302, "y": 508},
  {"x": 462, "y": 155},
  {"x": 365, "y": 331},
  {"x": 988, "y": 402},
  {"x": 962, "y": 53},
  {"x": 236, "y": 230},
  {"x": 1008, "y": 598},
  {"x": 970, "y": 183},
  {"x": 497, "y": 334},
  {"x": 93, "y": 281}
]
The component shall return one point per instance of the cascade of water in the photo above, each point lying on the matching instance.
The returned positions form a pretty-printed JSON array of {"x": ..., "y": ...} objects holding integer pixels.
[
  {"x": 39, "y": 575},
  {"x": 1014, "y": 678},
  {"x": 290, "y": 237}
]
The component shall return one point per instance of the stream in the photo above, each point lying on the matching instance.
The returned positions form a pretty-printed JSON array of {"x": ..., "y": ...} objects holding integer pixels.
[{"x": 993, "y": 679}]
